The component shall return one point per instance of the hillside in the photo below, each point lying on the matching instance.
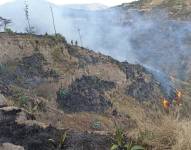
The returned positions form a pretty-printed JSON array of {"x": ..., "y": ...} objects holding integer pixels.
[
  {"x": 60, "y": 95},
  {"x": 149, "y": 38},
  {"x": 90, "y": 7},
  {"x": 64, "y": 86},
  {"x": 159, "y": 37},
  {"x": 54, "y": 86},
  {"x": 176, "y": 8}
]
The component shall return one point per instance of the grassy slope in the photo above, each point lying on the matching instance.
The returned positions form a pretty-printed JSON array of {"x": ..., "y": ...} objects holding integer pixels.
[{"x": 159, "y": 130}]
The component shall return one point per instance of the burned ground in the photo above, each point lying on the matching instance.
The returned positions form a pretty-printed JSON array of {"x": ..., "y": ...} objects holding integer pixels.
[
  {"x": 28, "y": 72},
  {"x": 86, "y": 94},
  {"x": 141, "y": 84},
  {"x": 34, "y": 136},
  {"x": 86, "y": 88},
  {"x": 87, "y": 57}
]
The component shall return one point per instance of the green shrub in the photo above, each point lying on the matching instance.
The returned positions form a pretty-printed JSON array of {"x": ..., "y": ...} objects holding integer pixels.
[
  {"x": 120, "y": 142},
  {"x": 63, "y": 93},
  {"x": 60, "y": 37},
  {"x": 3, "y": 69},
  {"x": 59, "y": 144},
  {"x": 23, "y": 99},
  {"x": 20, "y": 96},
  {"x": 8, "y": 30},
  {"x": 96, "y": 124},
  {"x": 57, "y": 38},
  {"x": 119, "y": 139}
]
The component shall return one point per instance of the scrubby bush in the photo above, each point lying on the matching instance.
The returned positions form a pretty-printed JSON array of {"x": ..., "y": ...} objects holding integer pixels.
[
  {"x": 57, "y": 38},
  {"x": 96, "y": 124},
  {"x": 8, "y": 30},
  {"x": 60, "y": 143},
  {"x": 120, "y": 142},
  {"x": 23, "y": 99},
  {"x": 3, "y": 69},
  {"x": 62, "y": 93}
]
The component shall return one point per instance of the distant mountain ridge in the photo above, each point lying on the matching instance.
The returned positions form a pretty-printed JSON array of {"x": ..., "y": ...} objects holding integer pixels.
[
  {"x": 91, "y": 7},
  {"x": 176, "y": 8}
]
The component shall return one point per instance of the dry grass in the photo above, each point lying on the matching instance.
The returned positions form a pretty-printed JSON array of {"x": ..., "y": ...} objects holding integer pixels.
[
  {"x": 160, "y": 136},
  {"x": 163, "y": 132},
  {"x": 183, "y": 130},
  {"x": 159, "y": 130},
  {"x": 76, "y": 121}
]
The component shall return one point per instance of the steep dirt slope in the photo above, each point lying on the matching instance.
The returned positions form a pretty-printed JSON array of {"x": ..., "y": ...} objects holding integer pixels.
[
  {"x": 67, "y": 86},
  {"x": 30, "y": 61}
]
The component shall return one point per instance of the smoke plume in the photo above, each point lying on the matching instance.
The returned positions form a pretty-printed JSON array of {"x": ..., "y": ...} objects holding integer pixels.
[{"x": 153, "y": 40}]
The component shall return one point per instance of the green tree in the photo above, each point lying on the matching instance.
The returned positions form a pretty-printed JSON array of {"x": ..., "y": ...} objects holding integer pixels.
[{"x": 4, "y": 22}]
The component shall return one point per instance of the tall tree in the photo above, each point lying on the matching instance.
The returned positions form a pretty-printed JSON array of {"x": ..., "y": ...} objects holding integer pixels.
[
  {"x": 28, "y": 29},
  {"x": 53, "y": 20},
  {"x": 80, "y": 36},
  {"x": 4, "y": 22}
]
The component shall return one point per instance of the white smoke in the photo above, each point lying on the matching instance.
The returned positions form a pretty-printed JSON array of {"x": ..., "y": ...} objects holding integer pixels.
[{"x": 152, "y": 40}]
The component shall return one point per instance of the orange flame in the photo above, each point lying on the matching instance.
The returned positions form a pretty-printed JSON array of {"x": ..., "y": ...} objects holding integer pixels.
[
  {"x": 176, "y": 101},
  {"x": 178, "y": 97},
  {"x": 166, "y": 103},
  {"x": 178, "y": 94}
]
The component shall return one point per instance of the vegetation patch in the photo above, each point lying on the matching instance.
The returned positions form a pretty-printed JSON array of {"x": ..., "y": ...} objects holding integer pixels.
[
  {"x": 121, "y": 143},
  {"x": 57, "y": 38}
]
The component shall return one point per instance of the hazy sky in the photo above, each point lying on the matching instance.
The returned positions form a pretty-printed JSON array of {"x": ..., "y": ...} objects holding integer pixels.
[{"x": 105, "y": 2}]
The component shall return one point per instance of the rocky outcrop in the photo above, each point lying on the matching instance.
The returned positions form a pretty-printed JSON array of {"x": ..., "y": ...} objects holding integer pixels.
[
  {"x": 12, "y": 114},
  {"x": 9, "y": 146},
  {"x": 85, "y": 94}
]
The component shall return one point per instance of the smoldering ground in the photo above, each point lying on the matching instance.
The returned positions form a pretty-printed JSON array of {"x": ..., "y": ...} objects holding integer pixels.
[{"x": 153, "y": 40}]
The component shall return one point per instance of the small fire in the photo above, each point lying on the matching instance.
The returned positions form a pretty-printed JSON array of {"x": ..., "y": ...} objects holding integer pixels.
[
  {"x": 175, "y": 102},
  {"x": 166, "y": 103},
  {"x": 178, "y": 94}
]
